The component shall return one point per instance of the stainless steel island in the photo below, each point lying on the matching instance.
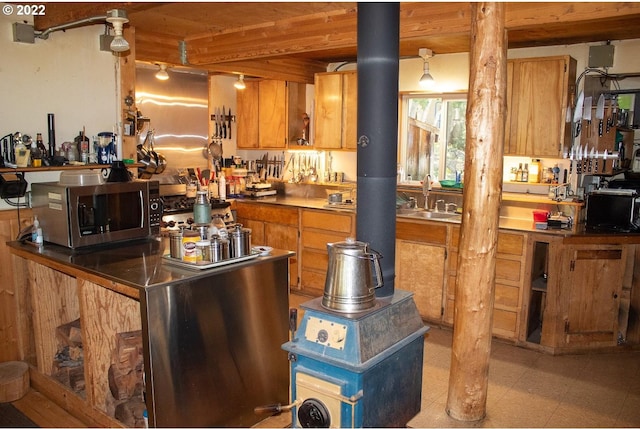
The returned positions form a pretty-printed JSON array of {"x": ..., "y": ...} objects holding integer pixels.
[{"x": 211, "y": 337}]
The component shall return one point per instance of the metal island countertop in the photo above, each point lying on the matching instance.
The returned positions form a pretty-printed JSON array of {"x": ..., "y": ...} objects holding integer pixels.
[{"x": 139, "y": 264}]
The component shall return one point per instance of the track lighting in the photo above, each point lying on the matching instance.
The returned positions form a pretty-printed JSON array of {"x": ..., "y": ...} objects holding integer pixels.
[
  {"x": 239, "y": 84},
  {"x": 162, "y": 73},
  {"x": 117, "y": 18},
  {"x": 426, "y": 81}
]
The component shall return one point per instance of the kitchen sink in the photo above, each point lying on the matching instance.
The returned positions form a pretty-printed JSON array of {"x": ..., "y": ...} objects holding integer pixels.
[
  {"x": 408, "y": 211},
  {"x": 436, "y": 215}
]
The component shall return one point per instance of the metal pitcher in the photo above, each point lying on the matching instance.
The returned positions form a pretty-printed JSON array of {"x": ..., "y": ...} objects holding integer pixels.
[{"x": 349, "y": 286}]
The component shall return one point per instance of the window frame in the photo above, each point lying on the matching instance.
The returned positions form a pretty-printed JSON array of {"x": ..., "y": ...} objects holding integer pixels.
[{"x": 403, "y": 106}]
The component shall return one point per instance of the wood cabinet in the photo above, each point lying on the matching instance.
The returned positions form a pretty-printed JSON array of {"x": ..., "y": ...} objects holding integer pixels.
[
  {"x": 577, "y": 298},
  {"x": 590, "y": 293},
  {"x": 272, "y": 226},
  {"x": 538, "y": 94},
  {"x": 509, "y": 281},
  {"x": 421, "y": 258},
  {"x": 269, "y": 114},
  {"x": 317, "y": 228},
  {"x": 336, "y": 101}
]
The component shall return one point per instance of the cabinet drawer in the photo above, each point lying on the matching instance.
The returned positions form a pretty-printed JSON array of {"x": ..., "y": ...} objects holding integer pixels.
[
  {"x": 328, "y": 221},
  {"x": 506, "y": 296},
  {"x": 507, "y": 269},
  {"x": 422, "y": 232},
  {"x": 266, "y": 213},
  {"x": 315, "y": 260},
  {"x": 511, "y": 244},
  {"x": 318, "y": 239},
  {"x": 312, "y": 282}
]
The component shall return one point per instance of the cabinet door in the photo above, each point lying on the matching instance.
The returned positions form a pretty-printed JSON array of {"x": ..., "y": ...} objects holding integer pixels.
[
  {"x": 247, "y": 117},
  {"x": 509, "y": 128},
  {"x": 328, "y": 111},
  {"x": 272, "y": 109},
  {"x": 284, "y": 237},
  {"x": 420, "y": 269},
  {"x": 350, "y": 110},
  {"x": 539, "y": 101},
  {"x": 591, "y": 294}
]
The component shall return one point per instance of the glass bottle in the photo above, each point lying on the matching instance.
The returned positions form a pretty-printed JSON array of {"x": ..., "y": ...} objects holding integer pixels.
[
  {"x": 525, "y": 173},
  {"x": 519, "y": 173}
]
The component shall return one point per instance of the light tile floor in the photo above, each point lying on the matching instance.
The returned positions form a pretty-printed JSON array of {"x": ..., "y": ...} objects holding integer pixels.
[{"x": 532, "y": 389}]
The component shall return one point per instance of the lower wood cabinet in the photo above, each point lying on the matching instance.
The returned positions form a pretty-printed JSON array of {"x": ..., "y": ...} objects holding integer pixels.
[
  {"x": 317, "y": 228},
  {"x": 509, "y": 282},
  {"x": 421, "y": 257},
  {"x": 275, "y": 227}
]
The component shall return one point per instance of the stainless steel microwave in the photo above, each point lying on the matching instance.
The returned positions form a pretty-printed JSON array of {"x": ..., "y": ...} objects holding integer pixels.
[{"x": 80, "y": 216}]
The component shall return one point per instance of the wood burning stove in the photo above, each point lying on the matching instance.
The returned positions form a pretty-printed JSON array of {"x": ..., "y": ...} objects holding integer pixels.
[{"x": 359, "y": 369}]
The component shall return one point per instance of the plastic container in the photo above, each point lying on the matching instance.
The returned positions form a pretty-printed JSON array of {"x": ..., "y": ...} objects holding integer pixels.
[
  {"x": 189, "y": 251},
  {"x": 540, "y": 215},
  {"x": 203, "y": 250}
]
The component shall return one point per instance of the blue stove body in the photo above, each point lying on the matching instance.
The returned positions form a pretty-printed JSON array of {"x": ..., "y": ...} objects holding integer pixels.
[{"x": 357, "y": 369}]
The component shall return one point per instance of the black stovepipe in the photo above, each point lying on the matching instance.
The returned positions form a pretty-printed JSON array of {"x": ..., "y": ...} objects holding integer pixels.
[{"x": 378, "y": 62}]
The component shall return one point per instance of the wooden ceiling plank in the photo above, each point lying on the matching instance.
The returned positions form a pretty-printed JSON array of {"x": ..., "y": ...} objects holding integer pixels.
[
  {"x": 313, "y": 34},
  {"x": 522, "y": 15},
  {"x": 64, "y": 13},
  {"x": 292, "y": 70}
]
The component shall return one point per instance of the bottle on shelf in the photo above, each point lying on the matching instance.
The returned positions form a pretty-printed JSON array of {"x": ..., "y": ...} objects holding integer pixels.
[
  {"x": 36, "y": 155},
  {"x": 519, "y": 173},
  {"x": 525, "y": 173}
]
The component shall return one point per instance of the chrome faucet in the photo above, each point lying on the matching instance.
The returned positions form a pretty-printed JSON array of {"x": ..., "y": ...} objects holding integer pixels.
[
  {"x": 426, "y": 188},
  {"x": 448, "y": 206},
  {"x": 437, "y": 202}
]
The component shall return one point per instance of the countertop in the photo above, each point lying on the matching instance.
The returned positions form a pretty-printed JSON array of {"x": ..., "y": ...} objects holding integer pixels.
[
  {"x": 579, "y": 236},
  {"x": 138, "y": 264}
]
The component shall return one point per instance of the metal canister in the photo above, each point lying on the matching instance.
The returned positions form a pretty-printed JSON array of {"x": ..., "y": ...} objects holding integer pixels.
[
  {"x": 219, "y": 249},
  {"x": 175, "y": 244},
  {"x": 240, "y": 239},
  {"x": 189, "y": 251}
]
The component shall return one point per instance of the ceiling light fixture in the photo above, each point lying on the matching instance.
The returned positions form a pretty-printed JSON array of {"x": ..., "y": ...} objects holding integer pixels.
[
  {"x": 117, "y": 18},
  {"x": 162, "y": 73},
  {"x": 239, "y": 84},
  {"x": 426, "y": 81}
]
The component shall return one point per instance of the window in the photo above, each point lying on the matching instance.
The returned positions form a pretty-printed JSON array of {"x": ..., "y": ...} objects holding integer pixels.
[{"x": 433, "y": 136}]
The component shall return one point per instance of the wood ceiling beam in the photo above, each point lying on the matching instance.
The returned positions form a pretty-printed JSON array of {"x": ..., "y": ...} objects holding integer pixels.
[
  {"x": 309, "y": 33},
  {"x": 289, "y": 69}
]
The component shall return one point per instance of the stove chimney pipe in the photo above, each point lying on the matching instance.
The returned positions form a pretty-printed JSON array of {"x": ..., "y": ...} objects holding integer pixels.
[{"x": 378, "y": 62}]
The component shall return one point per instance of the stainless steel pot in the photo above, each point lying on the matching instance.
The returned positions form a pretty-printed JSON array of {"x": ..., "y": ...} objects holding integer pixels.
[{"x": 350, "y": 286}]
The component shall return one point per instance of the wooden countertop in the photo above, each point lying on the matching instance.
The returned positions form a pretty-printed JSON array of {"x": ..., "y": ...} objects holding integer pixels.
[{"x": 568, "y": 236}]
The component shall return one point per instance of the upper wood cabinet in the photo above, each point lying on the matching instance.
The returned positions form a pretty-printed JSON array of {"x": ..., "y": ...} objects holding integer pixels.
[
  {"x": 336, "y": 110},
  {"x": 538, "y": 94},
  {"x": 269, "y": 114}
]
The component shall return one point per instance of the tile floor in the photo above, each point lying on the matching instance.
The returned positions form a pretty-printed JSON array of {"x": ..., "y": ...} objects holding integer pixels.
[{"x": 532, "y": 389}]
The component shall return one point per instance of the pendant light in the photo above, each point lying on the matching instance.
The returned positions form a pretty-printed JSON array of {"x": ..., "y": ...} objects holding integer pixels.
[
  {"x": 426, "y": 81},
  {"x": 239, "y": 84},
  {"x": 162, "y": 73},
  {"x": 117, "y": 18}
]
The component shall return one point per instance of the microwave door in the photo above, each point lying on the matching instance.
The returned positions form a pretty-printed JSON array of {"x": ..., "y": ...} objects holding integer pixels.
[{"x": 101, "y": 213}]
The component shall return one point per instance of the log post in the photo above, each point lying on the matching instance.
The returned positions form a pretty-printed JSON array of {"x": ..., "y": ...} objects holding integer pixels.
[{"x": 474, "y": 288}]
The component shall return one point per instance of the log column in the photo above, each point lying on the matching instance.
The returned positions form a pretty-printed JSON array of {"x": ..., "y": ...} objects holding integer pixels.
[{"x": 474, "y": 289}]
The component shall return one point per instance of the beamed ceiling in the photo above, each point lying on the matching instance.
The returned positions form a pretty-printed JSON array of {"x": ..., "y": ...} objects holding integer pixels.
[{"x": 292, "y": 41}]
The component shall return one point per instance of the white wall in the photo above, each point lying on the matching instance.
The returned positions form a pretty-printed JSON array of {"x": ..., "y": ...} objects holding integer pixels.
[{"x": 66, "y": 75}]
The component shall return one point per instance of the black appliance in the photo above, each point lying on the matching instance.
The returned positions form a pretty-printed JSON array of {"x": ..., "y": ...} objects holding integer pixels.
[{"x": 613, "y": 210}]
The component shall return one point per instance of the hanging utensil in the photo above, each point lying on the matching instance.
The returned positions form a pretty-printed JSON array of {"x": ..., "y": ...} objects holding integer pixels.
[
  {"x": 577, "y": 114},
  {"x": 586, "y": 113},
  {"x": 229, "y": 122},
  {"x": 600, "y": 114},
  {"x": 224, "y": 124}
]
